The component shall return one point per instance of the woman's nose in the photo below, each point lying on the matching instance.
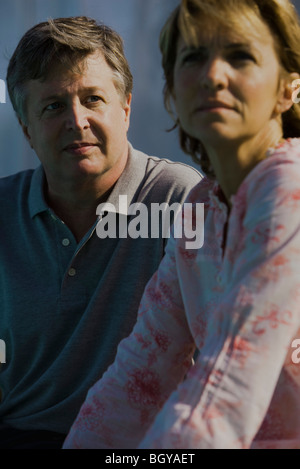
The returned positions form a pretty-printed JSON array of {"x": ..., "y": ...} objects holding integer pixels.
[{"x": 214, "y": 74}]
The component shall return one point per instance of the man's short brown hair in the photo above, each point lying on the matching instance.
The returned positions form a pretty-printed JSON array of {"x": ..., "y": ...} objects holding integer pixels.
[{"x": 64, "y": 41}]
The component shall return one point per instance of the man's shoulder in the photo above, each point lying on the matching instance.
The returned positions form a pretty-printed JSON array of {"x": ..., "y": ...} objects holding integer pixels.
[
  {"x": 12, "y": 184},
  {"x": 174, "y": 168},
  {"x": 168, "y": 170},
  {"x": 16, "y": 178}
]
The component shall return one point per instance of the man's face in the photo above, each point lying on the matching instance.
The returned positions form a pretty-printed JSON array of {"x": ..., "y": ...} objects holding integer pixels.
[{"x": 77, "y": 123}]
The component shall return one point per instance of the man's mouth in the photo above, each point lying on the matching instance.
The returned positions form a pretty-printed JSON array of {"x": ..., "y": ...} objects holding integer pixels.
[{"x": 79, "y": 148}]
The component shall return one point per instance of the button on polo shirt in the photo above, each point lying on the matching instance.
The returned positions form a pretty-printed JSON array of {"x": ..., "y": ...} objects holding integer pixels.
[
  {"x": 74, "y": 289},
  {"x": 65, "y": 242}
]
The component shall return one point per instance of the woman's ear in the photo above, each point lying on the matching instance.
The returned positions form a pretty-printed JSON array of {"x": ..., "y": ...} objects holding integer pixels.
[{"x": 288, "y": 92}]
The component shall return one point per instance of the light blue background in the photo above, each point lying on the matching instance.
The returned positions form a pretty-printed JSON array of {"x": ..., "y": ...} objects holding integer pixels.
[{"x": 139, "y": 23}]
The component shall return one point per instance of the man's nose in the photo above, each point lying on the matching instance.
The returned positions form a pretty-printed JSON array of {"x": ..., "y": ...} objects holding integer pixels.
[
  {"x": 77, "y": 117},
  {"x": 214, "y": 75}
]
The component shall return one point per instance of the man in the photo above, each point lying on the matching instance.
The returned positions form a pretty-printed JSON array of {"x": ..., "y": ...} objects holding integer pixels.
[{"x": 69, "y": 293}]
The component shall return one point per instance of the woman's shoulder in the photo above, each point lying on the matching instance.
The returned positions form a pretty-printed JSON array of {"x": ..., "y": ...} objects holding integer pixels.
[
  {"x": 289, "y": 148},
  {"x": 201, "y": 192},
  {"x": 275, "y": 179},
  {"x": 281, "y": 163}
]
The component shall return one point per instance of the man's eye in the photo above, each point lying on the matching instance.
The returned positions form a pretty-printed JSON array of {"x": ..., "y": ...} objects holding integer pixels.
[
  {"x": 53, "y": 106},
  {"x": 94, "y": 99}
]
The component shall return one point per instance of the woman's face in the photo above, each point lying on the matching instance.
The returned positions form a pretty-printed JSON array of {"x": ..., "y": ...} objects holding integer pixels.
[{"x": 229, "y": 86}]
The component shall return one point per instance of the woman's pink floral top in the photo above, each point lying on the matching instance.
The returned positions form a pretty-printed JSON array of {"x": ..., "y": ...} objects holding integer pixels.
[{"x": 237, "y": 305}]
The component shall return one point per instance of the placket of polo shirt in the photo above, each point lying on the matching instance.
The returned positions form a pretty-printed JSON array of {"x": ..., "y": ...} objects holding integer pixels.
[
  {"x": 73, "y": 285},
  {"x": 65, "y": 241}
]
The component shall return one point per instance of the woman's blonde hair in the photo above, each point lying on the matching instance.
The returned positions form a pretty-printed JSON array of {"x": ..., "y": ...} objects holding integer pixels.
[{"x": 283, "y": 22}]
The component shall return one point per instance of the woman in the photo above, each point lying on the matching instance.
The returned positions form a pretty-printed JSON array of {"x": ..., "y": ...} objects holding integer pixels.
[{"x": 230, "y": 68}]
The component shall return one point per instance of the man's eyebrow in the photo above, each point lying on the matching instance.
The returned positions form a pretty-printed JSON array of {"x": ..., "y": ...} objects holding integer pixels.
[
  {"x": 91, "y": 89},
  {"x": 88, "y": 89},
  {"x": 53, "y": 97}
]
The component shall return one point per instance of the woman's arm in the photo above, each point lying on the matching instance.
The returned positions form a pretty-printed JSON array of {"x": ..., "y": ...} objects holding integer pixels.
[
  {"x": 149, "y": 365},
  {"x": 261, "y": 316}
]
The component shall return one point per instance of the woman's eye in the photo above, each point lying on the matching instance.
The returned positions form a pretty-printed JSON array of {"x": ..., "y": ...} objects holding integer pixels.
[
  {"x": 242, "y": 56},
  {"x": 193, "y": 57}
]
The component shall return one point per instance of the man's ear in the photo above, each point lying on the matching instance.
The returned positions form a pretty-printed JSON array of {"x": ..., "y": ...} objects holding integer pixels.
[
  {"x": 289, "y": 89},
  {"x": 127, "y": 109},
  {"x": 25, "y": 131}
]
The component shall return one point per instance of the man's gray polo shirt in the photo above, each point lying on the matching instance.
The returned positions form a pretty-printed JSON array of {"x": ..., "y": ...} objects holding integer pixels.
[{"x": 66, "y": 306}]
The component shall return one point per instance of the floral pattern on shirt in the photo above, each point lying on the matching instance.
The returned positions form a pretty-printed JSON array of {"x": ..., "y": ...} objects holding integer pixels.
[{"x": 238, "y": 306}]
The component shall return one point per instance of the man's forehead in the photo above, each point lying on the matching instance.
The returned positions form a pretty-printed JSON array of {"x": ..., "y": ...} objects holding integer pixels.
[
  {"x": 77, "y": 66},
  {"x": 87, "y": 74}
]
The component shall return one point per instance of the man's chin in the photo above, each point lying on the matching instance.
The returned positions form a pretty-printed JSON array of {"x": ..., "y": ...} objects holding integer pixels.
[{"x": 88, "y": 167}]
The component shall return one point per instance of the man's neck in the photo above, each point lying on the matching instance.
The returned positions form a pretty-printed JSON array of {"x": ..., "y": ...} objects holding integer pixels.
[
  {"x": 75, "y": 200},
  {"x": 77, "y": 210}
]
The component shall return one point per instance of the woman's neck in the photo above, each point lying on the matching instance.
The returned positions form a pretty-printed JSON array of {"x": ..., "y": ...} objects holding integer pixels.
[{"x": 233, "y": 161}]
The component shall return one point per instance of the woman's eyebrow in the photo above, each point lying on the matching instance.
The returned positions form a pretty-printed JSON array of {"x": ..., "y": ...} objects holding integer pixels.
[
  {"x": 191, "y": 48},
  {"x": 237, "y": 45}
]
